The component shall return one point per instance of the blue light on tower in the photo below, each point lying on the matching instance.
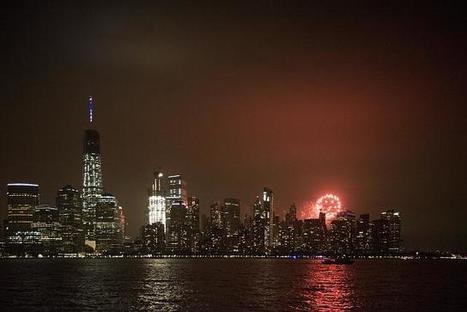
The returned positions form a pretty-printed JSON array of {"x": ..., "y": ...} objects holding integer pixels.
[{"x": 90, "y": 108}]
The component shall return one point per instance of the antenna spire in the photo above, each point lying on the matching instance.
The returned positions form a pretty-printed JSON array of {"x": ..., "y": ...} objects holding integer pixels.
[{"x": 90, "y": 108}]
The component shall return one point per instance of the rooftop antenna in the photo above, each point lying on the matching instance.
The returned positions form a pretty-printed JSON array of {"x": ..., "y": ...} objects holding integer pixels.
[{"x": 90, "y": 108}]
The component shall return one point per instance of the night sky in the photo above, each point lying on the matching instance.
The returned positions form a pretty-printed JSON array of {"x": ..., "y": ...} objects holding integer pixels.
[{"x": 363, "y": 101}]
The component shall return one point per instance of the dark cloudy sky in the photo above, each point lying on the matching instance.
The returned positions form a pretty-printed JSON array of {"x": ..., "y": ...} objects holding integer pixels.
[{"x": 364, "y": 101}]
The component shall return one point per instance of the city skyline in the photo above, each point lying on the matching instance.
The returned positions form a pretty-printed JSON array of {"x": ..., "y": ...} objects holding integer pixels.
[
  {"x": 341, "y": 102},
  {"x": 34, "y": 229},
  {"x": 266, "y": 155},
  {"x": 166, "y": 191},
  {"x": 163, "y": 196}
]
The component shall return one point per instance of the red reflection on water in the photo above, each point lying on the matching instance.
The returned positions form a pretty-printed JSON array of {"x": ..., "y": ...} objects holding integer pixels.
[{"x": 329, "y": 287}]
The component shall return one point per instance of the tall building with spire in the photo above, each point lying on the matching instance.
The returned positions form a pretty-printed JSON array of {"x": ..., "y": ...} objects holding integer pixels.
[
  {"x": 156, "y": 201},
  {"x": 92, "y": 176}
]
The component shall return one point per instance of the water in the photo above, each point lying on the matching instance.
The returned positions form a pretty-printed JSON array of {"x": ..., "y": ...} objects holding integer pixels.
[{"x": 231, "y": 285}]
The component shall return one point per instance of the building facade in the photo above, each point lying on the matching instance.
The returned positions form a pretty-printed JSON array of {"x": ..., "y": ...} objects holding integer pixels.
[
  {"x": 70, "y": 213},
  {"x": 92, "y": 182},
  {"x": 108, "y": 231},
  {"x": 46, "y": 223},
  {"x": 157, "y": 201},
  {"x": 21, "y": 238}
]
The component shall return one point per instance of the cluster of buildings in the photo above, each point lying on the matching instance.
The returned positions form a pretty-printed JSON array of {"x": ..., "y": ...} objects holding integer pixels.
[
  {"x": 91, "y": 221},
  {"x": 175, "y": 227},
  {"x": 65, "y": 228},
  {"x": 81, "y": 221}
]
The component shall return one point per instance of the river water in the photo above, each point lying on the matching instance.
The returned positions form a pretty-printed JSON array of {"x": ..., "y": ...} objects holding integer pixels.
[{"x": 231, "y": 285}]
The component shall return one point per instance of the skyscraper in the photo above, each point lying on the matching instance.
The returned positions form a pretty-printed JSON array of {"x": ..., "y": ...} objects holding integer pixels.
[
  {"x": 216, "y": 229},
  {"x": 363, "y": 238},
  {"x": 22, "y": 198},
  {"x": 342, "y": 233},
  {"x": 231, "y": 216},
  {"x": 70, "y": 210},
  {"x": 176, "y": 210},
  {"x": 267, "y": 216},
  {"x": 92, "y": 177},
  {"x": 108, "y": 230},
  {"x": 231, "y": 210},
  {"x": 193, "y": 214},
  {"x": 157, "y": 201},
  {"x": 394, "y": 230},
  {"x": 192, "y": 221},
  {"x": 314, "y": 235},
  {"x": 153, "y": 236},
  {"x": 177, "y": 189},
  {"x": 216, "y": 215},
  {"x": 46, "y": 223},
  {"x": 258, "y": 228}
]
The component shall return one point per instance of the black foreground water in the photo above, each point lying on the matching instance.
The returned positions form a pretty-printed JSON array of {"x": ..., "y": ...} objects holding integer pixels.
[{"x": 231, "y": 285}]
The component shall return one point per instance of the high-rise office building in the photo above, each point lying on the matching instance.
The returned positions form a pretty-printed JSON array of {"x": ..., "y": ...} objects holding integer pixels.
[
  {"x": 363, "y": 241},
  {"x": 289, "y": 232},
  {"x": 216, "y": 215},
  {"x": 122, "y": 222},
  {"x": 177, "y": 234},
  {"x": 46, "y": 223},
  {"x": 157, "y": 201},
  {"x": 267, "y": 216},
  {"x": 342, "y": 233},
  {"x": 108, "y": 230},
  {"x": 231, "y": 212},
  {"x": 177, "y": 195},
  {"x": 193, "y": 214},
  {"x": 153, "y": 236},
  {"x": 193, "y": 223},
  {"x": 70, "y": 212},
  {"x": 92, "y": 177},
  {"x": 314, "y": 235},
  {"x": 257, "y": 228},
  {"x": 291, "y": 215},
  {"x": 394, "y": 230},
  {"x": 216, "y": 229},
  {"x": 22, "y": 198},
  {"x": 176, "y": 211}
]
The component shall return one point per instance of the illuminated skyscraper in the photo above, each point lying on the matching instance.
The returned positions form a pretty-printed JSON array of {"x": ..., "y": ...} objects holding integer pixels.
[
  {"x": 267, "y": 216},
  {"x": 108, "y": 230},
  {"x": 192, "y": 222},
  {"x": 257, "y": 227},
  {"x": 231, "y": 211},
  {"x": 314, "y": 235},
  {"x": 71, "y": 217},
  {"x": 177, "y": 189},
  {"x": 217, "y": 215},
  {"x": 92, "y": 177},
  {"x": 156, "y": 202},
  {"x": 175, "y": 212},
  {"x": 22, "y": 198},
  {"x": 342, "y": 233},
  {"x": 122, "y": 222},
  {"x": 46, "y": 223},
  {"x": 263, "y": 222},
  {"x": 393, "y": 220},
  {"x": 216, "y": 229},
  {"x": 193, "y": 214},
  {"x": 363, "y": 238},
  {"x": 153, "y": 236}
]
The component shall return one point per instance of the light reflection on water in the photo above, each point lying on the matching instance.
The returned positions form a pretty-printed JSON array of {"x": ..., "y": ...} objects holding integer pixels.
[
  {"x": 228, "y": 285},
  {"x": 329, "y": 287}
]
